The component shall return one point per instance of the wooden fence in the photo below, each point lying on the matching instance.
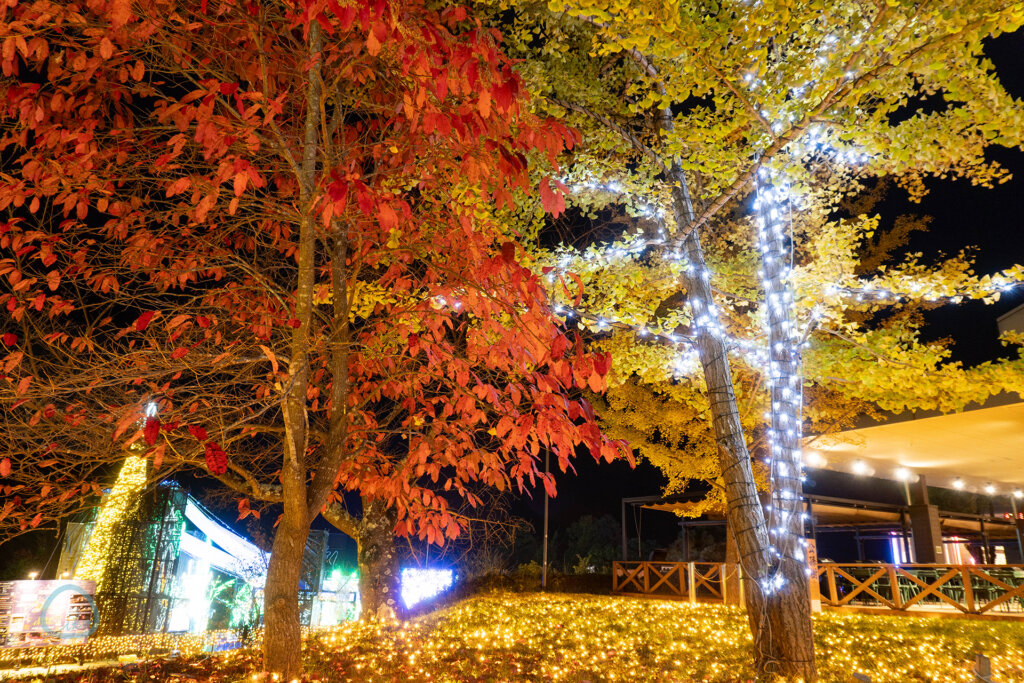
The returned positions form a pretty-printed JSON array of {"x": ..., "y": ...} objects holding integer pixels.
[
  {"x": 968, "y": 589},
  {"x": 964, "y": 589},
  {"x": 704, "y": 581}
]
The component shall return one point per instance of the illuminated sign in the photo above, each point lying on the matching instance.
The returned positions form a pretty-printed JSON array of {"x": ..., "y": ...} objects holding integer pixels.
[
  {"x": 423, "y": 584},
  {"x": 41, "y": 613}
]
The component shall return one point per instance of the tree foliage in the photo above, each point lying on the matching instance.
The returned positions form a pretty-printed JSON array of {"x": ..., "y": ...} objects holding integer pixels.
[
  {"x": 271, "y": 221},
  {"x": 691, "y": 113}
]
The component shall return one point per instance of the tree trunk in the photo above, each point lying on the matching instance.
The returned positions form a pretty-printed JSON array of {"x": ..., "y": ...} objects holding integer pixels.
[
  {"x": 378, "y": 563},
  {"x": 781, "y": 624},
  {"x": 282, "y": 638},
  {"x": 781, "y": 620},
  {"x": 732, "y": 563},
  {"x": 783, "y": 639}
]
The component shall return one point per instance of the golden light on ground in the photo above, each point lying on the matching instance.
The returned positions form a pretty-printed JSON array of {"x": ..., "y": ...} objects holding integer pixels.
[{"x": 562, "y": 637}]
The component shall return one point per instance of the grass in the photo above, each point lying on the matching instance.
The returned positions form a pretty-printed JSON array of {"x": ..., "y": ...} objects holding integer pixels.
[
  {"x": 508, "y": 637},
  {"x": 563, "y": 637}
]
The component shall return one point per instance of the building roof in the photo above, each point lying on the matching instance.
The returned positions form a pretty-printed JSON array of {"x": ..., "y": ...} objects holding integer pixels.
[
  {"x": 979, "y": 447},
  {"x": 837, "y": 514}
]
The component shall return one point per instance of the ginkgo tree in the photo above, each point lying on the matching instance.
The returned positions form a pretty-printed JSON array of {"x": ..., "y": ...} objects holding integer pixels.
[
  {"x": 256, "y": 238},
  {"x": 869, "y": 357},
  {"x": 694, "y": 113}
]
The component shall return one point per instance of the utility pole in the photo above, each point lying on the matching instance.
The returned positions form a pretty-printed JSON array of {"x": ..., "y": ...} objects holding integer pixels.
[{"x": 544, "y": 560}]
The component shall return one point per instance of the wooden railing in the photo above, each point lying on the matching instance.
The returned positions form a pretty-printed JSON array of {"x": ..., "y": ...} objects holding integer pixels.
[
  {"x": 704, "y": 581},
  {"x": 966, "y": 589},
  {"x": 969, "y": 589}
]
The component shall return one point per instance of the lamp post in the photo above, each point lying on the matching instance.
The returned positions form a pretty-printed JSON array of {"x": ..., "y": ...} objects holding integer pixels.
[{"x": 544, "y": 559}]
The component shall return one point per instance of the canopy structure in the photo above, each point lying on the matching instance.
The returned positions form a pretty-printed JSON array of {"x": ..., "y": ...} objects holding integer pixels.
[{"x": 979, "y": 450}]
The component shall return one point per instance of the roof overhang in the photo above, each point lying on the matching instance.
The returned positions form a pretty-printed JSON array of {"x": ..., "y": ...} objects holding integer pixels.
[{"x": 978, "y": 447}]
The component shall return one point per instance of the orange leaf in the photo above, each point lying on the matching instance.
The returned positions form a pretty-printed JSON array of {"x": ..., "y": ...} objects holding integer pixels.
[
  {"x": 483, "y": 103},
  {"x": 158, "y": 455},
  {"x": 119, "y": 11},
  {"x": 270, "y": 356},
  {"x": 372, "y": 44}
]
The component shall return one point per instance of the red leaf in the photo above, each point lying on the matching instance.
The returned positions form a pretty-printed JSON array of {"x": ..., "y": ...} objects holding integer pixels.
[
  {"x": 10, "y": 339},
  {"x": 198, "y": 432},
  {"x": 503, "y": 94},
  {"x": 203, "y": 321},
  {"x": 143, "y": 322},
  {"x": 152, "y": 429},
  {"x": 295, "y": 323},
  {"x": 552, "y": 201},
  {"x": 5, "y": 467},
  {"x": 216, "y": 458},
  {"x": 179, "y": 352},
  {"x": 508, "y": 252}
]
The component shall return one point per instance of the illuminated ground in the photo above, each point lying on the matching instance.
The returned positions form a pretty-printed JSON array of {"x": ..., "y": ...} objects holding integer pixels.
[
  {"x": 588, "y": 638},
  {"x": 564, "y": 637}
]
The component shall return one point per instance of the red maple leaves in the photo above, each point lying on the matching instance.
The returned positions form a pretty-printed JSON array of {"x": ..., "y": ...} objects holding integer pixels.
[
  {"x": 216, "y": 458},
  {"x": 172, "y": 265}
]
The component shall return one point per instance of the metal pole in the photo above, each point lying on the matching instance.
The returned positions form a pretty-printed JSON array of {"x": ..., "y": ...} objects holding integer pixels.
[
  {"x": 544, "y": 564},
  {"x": 638, "y": 513},
  {"x": 986, "y": 548},
  {"x": 626, "y": 542},
  {"x": 1016, "y": 526}
]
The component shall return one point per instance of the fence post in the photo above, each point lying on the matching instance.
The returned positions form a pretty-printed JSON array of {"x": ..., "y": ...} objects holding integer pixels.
[
  {"x": 691, "y": 581},
  {"x": 968, "y": 588},
  {"x": 982, "y": 669},
  {"x": 894, "y": 587},
  {"x": 722, "y": 569},
  {"x": 739, "y": 582}
]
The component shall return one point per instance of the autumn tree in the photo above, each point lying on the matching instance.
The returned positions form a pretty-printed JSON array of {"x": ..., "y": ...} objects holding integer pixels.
[
  {"x": 869, "y": 357},
  {"x": 694, "y": 112},
  {"x": 256, "y": 238}
]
